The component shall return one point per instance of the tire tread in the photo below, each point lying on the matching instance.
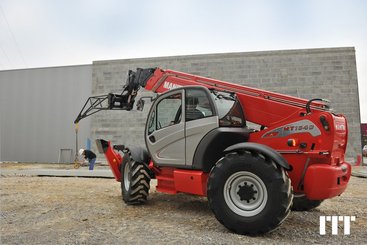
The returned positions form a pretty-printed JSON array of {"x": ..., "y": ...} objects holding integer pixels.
[
  {"x": 138, "y": 191},
  {"x": 277, "y": 173}
]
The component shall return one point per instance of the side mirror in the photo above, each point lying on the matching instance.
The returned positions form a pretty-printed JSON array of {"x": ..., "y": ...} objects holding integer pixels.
[{"x": 140, "y": 104}]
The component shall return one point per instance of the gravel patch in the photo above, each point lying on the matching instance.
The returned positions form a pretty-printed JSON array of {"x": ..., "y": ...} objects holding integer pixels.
[{"x": 59, "y": 210}]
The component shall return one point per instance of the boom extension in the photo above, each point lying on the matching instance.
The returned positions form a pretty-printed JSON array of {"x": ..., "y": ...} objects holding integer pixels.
[
  {"x": 260, "y": 106},
  {"x": 159, "y": 81}
]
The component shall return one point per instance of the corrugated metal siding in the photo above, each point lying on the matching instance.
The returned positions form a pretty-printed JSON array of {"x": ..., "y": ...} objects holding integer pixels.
[{"x": 38, "y": 108}]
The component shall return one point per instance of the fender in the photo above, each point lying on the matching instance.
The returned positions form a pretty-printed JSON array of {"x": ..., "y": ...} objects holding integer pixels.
[
  {"x": 210, "y": 149},
  {"x": 139, "y": 154},
  {"x": 263, "y": 149}
]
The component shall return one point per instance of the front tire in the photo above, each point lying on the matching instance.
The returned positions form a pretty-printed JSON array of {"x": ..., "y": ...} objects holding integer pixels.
[
  {"x": 249, "y": 194},
  {"x": 135, "y": 181}
]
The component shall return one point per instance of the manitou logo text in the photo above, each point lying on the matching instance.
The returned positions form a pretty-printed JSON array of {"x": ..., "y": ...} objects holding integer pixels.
[
  {"x": 334, "y": 224},
  {"x": 169, "y": 86}
]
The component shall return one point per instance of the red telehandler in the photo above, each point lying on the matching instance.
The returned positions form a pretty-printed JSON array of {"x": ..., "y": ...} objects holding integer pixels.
[{"x": 254, "y": 154}]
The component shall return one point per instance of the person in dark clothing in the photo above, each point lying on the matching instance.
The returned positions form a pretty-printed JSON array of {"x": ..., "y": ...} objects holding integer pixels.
[
  {"x": 90, "y": 156},
  {"x": 191, "y": 112}
]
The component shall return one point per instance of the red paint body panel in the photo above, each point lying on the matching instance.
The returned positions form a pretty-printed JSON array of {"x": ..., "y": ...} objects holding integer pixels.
[
  {"x": 323, "y": 181},
  {"x": 173, "y": 181},
  {"x": 114, "y": 159},
  {"x": 327, "y": 148},
  {"x": 165, "y": 181},
  {"x": 190, "y": 181},
  {"x": 260, "y": 106}
]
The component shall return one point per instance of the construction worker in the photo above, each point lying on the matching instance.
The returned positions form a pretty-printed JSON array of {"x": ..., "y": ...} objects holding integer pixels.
[{"x": 90, "y": 156}]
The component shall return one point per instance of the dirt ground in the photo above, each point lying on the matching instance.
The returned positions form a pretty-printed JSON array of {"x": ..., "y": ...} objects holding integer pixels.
[{"x": 54, "y": 210}]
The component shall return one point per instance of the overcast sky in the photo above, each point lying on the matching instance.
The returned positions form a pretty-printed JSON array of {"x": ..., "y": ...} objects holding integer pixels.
[{"x": 42, "y": 33}]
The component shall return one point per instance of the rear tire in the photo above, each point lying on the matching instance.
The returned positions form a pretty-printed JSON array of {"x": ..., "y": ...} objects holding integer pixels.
[
  {"x": 249, "y": 194},
  {"x": 301, "y": 203},
  {"x": 135, "y": 181}
]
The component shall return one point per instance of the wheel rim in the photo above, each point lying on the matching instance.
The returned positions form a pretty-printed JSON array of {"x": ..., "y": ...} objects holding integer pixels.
[
  {"x": 245, "y": 193},
  {"x": 127, "y": 176}
]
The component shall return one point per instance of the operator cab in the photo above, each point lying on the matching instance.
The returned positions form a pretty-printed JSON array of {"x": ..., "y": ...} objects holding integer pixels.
[
  {"x": 181, "y": 118},
  {"x": 229, "y": 109}
]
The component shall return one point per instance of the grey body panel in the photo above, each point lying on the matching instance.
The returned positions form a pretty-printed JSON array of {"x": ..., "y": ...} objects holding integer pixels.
[
  {"x": 303, "y": 126},
  {"x": 195, "y": 132},
  {"x": 167, "y": 145},
  {"x": 175, "y": 145}
]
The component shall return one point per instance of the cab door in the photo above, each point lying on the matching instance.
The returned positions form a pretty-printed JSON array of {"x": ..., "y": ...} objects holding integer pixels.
[
  {"x": 165, "y": 130},
  {"x": 200, "y": 117}
]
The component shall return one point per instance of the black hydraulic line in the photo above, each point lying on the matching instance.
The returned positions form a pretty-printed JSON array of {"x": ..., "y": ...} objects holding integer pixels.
[
  {"x": 300, "y": 184},
  {"x": 308, "y": 105}
]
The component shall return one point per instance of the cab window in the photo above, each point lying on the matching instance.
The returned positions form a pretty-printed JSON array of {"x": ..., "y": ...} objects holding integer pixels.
[
  {"x": 197, "y": 105},
  {"x": 151, "y": 123},
  {"x": 169, "y": 111},
  {"x": 229, "y": 109}
]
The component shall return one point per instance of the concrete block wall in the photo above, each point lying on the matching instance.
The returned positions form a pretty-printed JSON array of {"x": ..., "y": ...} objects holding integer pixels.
[{"x": 328, "y": 73}]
